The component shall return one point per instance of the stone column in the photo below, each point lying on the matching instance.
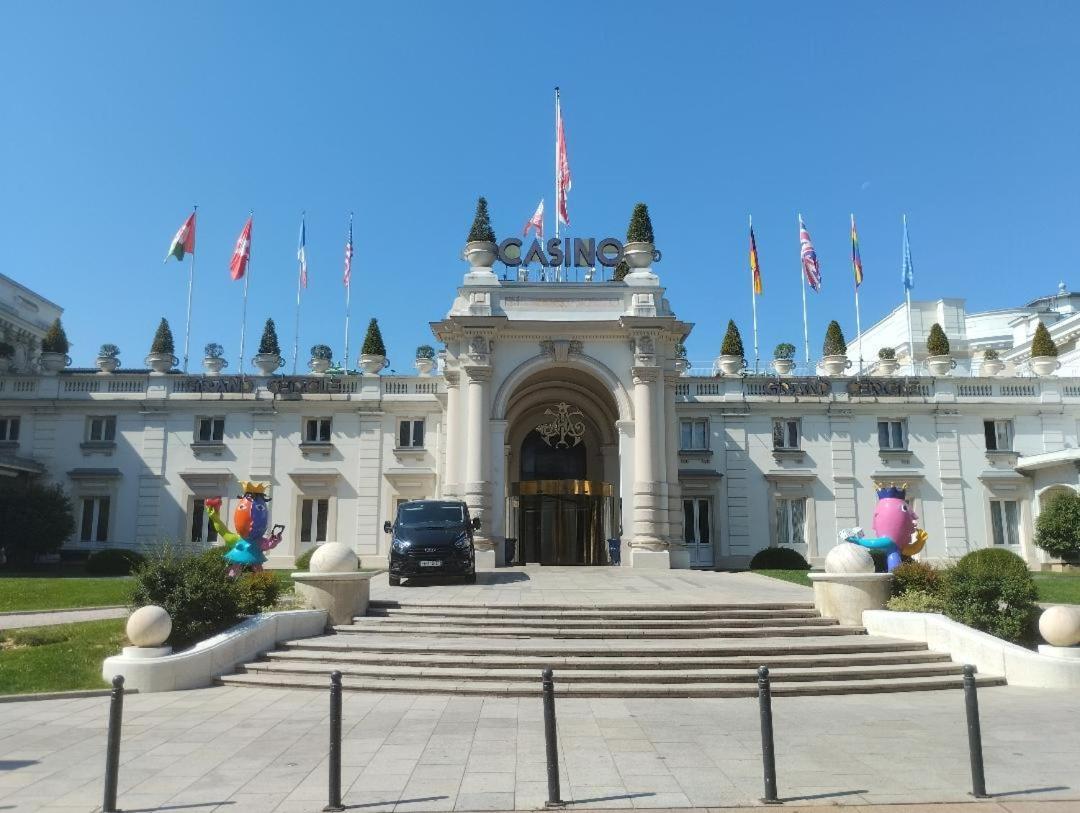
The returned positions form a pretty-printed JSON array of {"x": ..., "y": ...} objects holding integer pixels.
[
  {"x": 477, "y": 485},
  {"x": 497, "y": 512},
  {"x": 452, "y": 483},
  {"x": 679, "y": 555},
  {"x": 649, "y": 548}
]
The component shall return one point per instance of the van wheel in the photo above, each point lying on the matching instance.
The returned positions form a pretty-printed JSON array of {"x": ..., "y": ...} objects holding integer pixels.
[{"x": 395, "y": 581}]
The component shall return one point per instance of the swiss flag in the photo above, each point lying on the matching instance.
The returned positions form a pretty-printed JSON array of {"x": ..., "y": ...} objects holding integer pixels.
[{"x": 242, "y": 252}]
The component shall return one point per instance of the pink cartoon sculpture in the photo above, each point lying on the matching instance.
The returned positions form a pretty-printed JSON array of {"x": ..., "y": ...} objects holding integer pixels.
[
  {"x": 894, "y": 527},
  {"x": 251, "y": 516}
]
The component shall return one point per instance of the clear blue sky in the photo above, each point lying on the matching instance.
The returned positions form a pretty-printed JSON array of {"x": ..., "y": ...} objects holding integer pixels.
[{"x": 117, "y": 117}]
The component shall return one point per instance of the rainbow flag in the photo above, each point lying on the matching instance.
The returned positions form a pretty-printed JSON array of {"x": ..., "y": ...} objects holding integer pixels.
[
  {"x": 755, "y": 268},
  {"x": 856, "y": 260}
]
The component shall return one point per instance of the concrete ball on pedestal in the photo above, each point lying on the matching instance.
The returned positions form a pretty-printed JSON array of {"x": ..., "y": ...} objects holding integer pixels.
[
  {"x": 847, "y": 557},
  {"x": 1060, "y": 626},
  {"x": 149, "y": 626},
  {"x": 333, "y": 557}
]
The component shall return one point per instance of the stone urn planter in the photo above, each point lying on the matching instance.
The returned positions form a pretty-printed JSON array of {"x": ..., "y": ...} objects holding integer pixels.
[
  {"x": 372, "y": 364},
  {"x": 992, "y": 367},
  {"x": 783, "y": 366},
  {"x": 835, "y": 365},
  {"x": 107, "y": 364},
  {"x": 639, "y": 255},
  {"x": 160, "y": 363},
  {"x": 268, "y": 363},
  {"x": 52, "y": 363},
  {"x": 940, "y": 365},
  {"x": 319, "y": 366},
  {"x": 731, "y": 365},
  {"x": 214, "y": 365},
  {"x": 424, "y": 365},
  {"x": 682, "y": 366},
  {"x": 480, "y": 253},
  {"x": 1045, "y": 365},
  {"x": 887, "y": 367}
]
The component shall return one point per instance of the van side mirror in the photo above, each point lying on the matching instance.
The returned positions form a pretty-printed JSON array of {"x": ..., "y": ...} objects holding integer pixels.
[
  {"x": 476, "y": 523},
  {"x": 387, "y": 527}
]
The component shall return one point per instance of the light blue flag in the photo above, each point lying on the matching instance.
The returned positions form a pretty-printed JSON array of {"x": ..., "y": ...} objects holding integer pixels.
[{"x": 907, "y": 273}]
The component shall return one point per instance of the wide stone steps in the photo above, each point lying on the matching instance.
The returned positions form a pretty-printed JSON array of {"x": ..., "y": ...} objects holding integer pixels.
[
  {"x": 560, "y": 622},
  {"x": 619, "y": 612},
  {"x": 811, "y": 627}
]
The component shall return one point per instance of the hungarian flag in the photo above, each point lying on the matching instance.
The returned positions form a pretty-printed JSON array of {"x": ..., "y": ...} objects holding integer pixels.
[
  {"x": 562, "y": 164},
  {"x": 184, "y": 242},
  {"x": 242, "y": 252},
  {"x": 536, "y": 222}
]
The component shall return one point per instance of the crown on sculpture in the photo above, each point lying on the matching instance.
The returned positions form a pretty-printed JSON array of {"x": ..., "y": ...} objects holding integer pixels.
[
  {"x": 887, "y": 490},
  {"x": 248, "y": 487}
]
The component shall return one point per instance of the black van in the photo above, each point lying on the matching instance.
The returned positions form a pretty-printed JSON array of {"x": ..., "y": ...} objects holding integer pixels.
[{"x": 432, "y": 538}]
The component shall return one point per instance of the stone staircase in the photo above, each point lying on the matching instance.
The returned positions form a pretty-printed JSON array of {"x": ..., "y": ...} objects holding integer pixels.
[{"x": 632, "y": 650}]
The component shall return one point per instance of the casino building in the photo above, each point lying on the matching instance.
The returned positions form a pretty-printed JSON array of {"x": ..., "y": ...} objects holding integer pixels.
[{"x": 563, "y": 414}]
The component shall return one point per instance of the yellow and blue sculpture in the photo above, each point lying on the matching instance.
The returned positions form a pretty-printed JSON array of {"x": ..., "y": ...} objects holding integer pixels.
[
  {"x": 894, "y": 528},
  {"x": 246, "y": 547}
]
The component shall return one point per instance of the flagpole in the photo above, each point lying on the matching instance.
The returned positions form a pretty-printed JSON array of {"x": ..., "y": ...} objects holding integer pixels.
[
  {"x": 348, "y": 296},
  {"x": 753, "y": 304},
  {"x": 299, "y": 279},
  {"x": 805, "y": 327},
  {"x": 558, "y": 114},
  {"x": 243, "y": 309},
  {"x": 190, "y": 286},
  {"x": 858, "y": 323},
  {"x": 907, "y": 298}
]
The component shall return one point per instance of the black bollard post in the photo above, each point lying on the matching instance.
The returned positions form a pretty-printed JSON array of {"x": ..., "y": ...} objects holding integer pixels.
[
  {"x": 334, "y": 802},
  {"x": 768, "y": 750},
  {"x": 112, "y": 749},
  {"x": 551, "y": 740},
  {"x": 971, "y": 702}
]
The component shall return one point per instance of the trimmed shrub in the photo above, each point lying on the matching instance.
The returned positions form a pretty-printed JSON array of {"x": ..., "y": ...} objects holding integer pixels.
[
  {"x": 481, "y": 226},
  {"x": 937, "y": 343},
  {"x": 915, "y": 576},
  {"x": 303, "y": 561},
  {"x": 425, "y": 351},
  {"x": 55, "y": 339},
  {"x": 640, "y": 229},
  {"x": 784, "y": 350},
  {"x": 373, "y": 340},
  {"x": 322, "y": 351},
  {"x": 213, "y": 351},
  {"x": 108, "y": 351},
  {"x": 732, "y": 345},
  {"x": 990, "y": 355},
  {"x": 1057, "y": 530},
  {"x": 621, "y": 270},
  {"x": 835, "y": 344},
  {"x": 778, "y": 559},
  {"x": 163, "y": 339},
  {"x": 268, "y": 344},
  {"x": 36, "y": 518},
  {"x": 992, "y": 590},
  {"x": 915, "y": 601},
  {"x": 1042, "y": 344},
  {"x": 113, "y": 562},
  {"x": 887, "y": 354},
  {"x": 257, "y": 592}
]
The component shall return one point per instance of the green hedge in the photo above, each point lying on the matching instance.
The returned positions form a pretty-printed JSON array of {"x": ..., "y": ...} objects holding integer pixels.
[
  {"x": 992, "y": 590},
  {"x": 303, "y": 561},
  {"x": 113, "y": 562},
  {"x": 778, "y": 559}
]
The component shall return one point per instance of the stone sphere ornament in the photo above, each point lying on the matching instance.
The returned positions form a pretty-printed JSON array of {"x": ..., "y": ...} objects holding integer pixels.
[
  {"x": 1060, "y": 626},
  {"x": 333, "y": 557},
  {"x": 149, "y": 626},
  {"x": 847, "y": 557}
]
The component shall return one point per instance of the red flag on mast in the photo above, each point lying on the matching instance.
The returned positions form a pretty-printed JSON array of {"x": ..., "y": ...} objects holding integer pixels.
[
  {"x": 242, "y": 252},
  {"x": 562, "y": 164},
  {"x": 536, "y": 222}
]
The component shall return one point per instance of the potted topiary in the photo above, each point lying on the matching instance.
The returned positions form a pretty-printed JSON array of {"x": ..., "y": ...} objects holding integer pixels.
[
  {"x": 784, "y": 358},
  {"x": 373, "y": 353},
  {"x": 834, "y": 358},
  {"x": 480, "y": 249},
  {"x": 108, "y": 358},
  {"x": 214, "y": 359},
  {"x": 269, "y": 359},
  {"x": 54, "y": 348},
  {"x": 161, "y": 359},
  {"x": 321, "y": 356},
  {"x": 425, "y": 359},
  {"x": 887, "y": 362},
  {"x": 992, "y": 364},
  {"x": 1043, "y": 352},
  {"x": 7, "y": 356},
  {"x": 731, "y": 361},
  {"x": 937, "y": 348},
  {"x": 639, "y": 250},
  {"x": 682, "y": 366}
]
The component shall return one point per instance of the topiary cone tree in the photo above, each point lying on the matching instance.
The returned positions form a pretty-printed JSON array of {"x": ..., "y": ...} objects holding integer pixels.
[
  {"x": 937, "y": 343},
  {"x": 481, "y": 230},
  {"x": 732, "y": 345},
  {"x": 835, "y": 344},
  {"x": 268, "y": 344},
  {"x": 373, "y": 340},
  {"x": 55, "y": 339},
  {"x": 621, "y": 270},
  {"x": 640, "y": 229},
  {"x": 163, "y": 339},
  {"x": 1042, "y": 344}
]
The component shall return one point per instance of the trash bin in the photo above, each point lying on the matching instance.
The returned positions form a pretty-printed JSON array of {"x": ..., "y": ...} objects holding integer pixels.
[
  {"x": 510, "y": 550},
  {"x": 614, "y": 551}
]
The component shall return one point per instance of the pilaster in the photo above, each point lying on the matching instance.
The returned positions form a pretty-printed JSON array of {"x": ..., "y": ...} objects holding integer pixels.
[
  {"x": 737, "y": 485},
  {"x": 679, "y": 556},
  {"x": 947, "y": 424},
  {"x": 452, "y": 485},
  {"x": 842, "y": 457},
  {"x": 151, "y": 477},
  {"x": 369, "y": 480}
]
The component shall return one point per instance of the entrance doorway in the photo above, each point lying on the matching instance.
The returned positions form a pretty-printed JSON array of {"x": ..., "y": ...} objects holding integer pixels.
[{"x": 562, "y": 522}]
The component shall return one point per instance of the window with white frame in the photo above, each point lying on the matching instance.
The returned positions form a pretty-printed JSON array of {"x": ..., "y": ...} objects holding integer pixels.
[
  {"x": 697, "y": 521},
  {"x": 791, "y": 521},
  {"x": 202, "y": 530},
  {"x": 317, "y": 430},
  {"x": 210, "y": 429},
  {"x": 101, "y": 428},
  {"x": 1005, "y": 521},
  {"x": 892, "y": 435},
  {"x": 9, "y": 428},
  {"x": 94, "y": 522},
  {"x": 999, "y": 435},
  {"x": 694, "y": 434},
  {"x": 314, "y": 518},
  {"x": 785, "y": 434},
  {"x": 411, "y": 433}
]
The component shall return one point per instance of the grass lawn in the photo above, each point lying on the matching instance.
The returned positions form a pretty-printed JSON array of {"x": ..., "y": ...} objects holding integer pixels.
[
  {"x": 793, "y": 576},
  {"x": 56, "y": 659},
  {"x": 51, "y": 592},
  {"x": 1058, "y": 588}
]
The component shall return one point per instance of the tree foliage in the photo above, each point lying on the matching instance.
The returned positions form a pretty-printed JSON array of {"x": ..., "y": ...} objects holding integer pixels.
[
  {"x": 887, "y": 354},
  {"x": 1057, "y": 530},
  {"x": 373, "y": 340},
  {"x": 640, "y": 229},
  {"x": 937, "y": 343},
  {"x": 35, "y": 518},
  {"x": 322, "y": 351},
  {"x": 425, "y": 351},
  {"x": 55, "y": 339},
  {"x": 835, "y": 344},
  {"x": 268, "y": 344},
  {"x": 481, "y": 227},
  {"x": 732, "y": 345},
  {"x": 1042, "y": 344},
  {"x": 163, "y": 339},
  {"x": 784, "y": 351},
  {"x": 621, "y": 270},
  {"x": 991, "y": 590}
]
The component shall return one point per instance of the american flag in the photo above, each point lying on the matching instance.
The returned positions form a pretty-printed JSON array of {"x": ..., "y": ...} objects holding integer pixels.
[
  {"x": 348, "y": 256},
  {"x": 810, "y": 267}
]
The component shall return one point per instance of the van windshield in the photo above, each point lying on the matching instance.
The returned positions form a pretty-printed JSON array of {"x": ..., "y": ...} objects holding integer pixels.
[{"x": 438, "y": 514}]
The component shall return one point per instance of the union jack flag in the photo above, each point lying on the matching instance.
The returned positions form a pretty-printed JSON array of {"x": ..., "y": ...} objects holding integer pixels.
[
  {"x": 348, "y": 256},
  {"x": 810, "y": 267}
]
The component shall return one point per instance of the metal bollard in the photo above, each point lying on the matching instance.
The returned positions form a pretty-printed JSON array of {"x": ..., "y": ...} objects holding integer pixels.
[
  {"x": 971, "y": 702},
  {"x": 551, "y": 740},
  {"x": 768, "y": 750},
  {"x": 334, "y": 803},
  {"x": 112, "y": 749}
]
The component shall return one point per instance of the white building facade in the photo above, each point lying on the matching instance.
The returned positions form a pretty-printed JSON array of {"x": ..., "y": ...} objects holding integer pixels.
[{"x": 563, "y": 415}]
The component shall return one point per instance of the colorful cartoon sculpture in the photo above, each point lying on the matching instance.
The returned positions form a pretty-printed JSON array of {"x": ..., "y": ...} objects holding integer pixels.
[
  {"x": 246, "y": 547},
  {"x": 894, "y": 527}
]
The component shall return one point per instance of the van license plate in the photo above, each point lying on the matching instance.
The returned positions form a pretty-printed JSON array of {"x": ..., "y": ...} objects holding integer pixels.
[{"x": 431, "y": 563}]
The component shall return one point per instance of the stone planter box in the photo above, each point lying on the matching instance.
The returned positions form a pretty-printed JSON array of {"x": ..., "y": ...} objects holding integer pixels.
[
  {"x": 160, "y": 363},
  {"x": 940, "y": 365},
  {"x": 845, "y": 596},
  {"x": 887, "y": 366},
  {"x": 319, "y": 366},
  {"x": 1045, "y": 365},
  {"x": 52, "y": 363},
  {"x": 214, "y": 366},
  {"x": 992, "y": 367},
  {"x": 371, "y": 364},
  {"x": 343, "y": 595},
  {"x": 107, "y": 364},
  {"x": 424, "y": 366},
  {"x": 268, "y": 363},
  {"x": 731, "y": 365},
  {"x": 783, "y": 366},
  {"x": 835, "y": 365}
]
